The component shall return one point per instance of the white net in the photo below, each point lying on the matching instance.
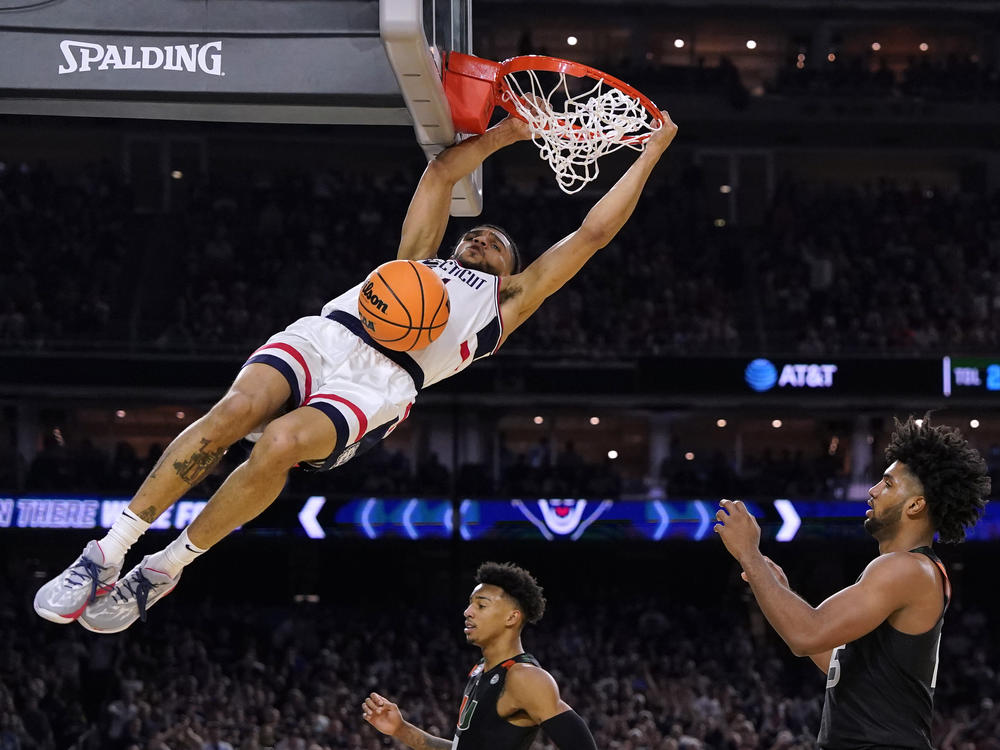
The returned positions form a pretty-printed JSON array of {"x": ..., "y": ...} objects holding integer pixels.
[{"x": 574, "y": 129}]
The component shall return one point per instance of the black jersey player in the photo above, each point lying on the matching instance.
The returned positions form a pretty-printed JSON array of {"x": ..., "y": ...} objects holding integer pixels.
[
  {"x": 878, "y": 639},
  {"x": 508, "y": 696}
]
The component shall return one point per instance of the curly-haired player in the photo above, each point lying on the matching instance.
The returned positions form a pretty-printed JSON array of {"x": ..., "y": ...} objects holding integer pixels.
[
  {"x": 878, "y": 640},
  {"x": 508, "y": 695}
]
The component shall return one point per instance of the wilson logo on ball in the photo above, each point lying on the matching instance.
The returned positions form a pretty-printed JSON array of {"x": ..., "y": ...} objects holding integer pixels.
[
  {"x": 372, "y": 298},
  {"x": 403, "y": 305}
]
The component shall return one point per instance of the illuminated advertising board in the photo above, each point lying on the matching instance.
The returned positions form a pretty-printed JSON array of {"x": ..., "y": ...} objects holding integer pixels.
[
  {"x": 970, "y": 376},
  {"x": 805, "y": 378},
  {"x": 539, "y": 519}
]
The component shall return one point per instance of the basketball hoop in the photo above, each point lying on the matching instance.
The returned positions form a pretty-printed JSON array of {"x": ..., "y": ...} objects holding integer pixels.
[{"x": 574, "y": 121}]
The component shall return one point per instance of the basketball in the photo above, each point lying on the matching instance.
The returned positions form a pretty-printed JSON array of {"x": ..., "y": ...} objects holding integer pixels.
[{"x": 403, "y": 305}]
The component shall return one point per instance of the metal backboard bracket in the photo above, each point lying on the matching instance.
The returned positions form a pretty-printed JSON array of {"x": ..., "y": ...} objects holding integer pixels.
[{"x": 417, "y": 65}]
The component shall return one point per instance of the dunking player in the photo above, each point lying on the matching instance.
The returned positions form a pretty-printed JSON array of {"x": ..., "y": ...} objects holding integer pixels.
[
  {"x": 508, "y": 695},
  {"x": 878, "y": 640},
  {"x": 321, "y": 391}
]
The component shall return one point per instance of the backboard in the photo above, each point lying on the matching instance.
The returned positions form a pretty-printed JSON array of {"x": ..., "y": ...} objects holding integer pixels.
[{"x": 294, "y": 61}]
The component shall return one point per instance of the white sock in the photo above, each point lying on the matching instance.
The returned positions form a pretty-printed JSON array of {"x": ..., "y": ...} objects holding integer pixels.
[
  {"x": 172, "y": 558},
  {"x": 123, "y": 533}
]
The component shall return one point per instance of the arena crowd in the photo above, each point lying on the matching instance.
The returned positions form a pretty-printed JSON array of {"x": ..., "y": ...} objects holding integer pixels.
[{"x": 646, "y": 673}]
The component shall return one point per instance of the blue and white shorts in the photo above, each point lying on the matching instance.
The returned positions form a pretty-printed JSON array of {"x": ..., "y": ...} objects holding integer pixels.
[{"x": 365, "y": 394}]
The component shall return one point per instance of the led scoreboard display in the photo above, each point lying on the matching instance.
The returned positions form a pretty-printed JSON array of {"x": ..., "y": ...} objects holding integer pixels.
[{"x": 970, "y": 376}]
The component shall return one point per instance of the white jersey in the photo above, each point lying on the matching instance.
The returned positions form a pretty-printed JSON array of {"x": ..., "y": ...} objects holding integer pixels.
[{"x": 474, "y": 327}]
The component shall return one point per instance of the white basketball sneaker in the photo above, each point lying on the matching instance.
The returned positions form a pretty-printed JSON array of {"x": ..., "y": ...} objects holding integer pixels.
[
  {"x": 64, "y": 598},
  {"x": 128, "y": 602}
]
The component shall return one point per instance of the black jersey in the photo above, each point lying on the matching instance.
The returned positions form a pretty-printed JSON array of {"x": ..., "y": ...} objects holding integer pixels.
[
  {"x": 479, "y": 725},
  {"x": 880, "y": 688}
]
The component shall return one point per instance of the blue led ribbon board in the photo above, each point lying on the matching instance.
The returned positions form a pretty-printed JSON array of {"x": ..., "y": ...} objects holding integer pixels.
[{"x": 538, "y": 519}]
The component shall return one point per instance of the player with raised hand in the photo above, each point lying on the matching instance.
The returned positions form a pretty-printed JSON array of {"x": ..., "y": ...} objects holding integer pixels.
[
  {"x": 508, "y": 697},
  {"x": 878, "y": 640},
  {"x": 323, "y": 390}
]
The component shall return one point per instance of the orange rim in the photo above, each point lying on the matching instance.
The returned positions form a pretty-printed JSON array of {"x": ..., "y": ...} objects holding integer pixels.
[{"x": 577, "y": 70}]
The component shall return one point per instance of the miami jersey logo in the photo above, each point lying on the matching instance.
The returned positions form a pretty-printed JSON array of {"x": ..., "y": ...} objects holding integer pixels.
[
  {"x": 558, "y": 517},
  {"x": 465, "y": 713}
]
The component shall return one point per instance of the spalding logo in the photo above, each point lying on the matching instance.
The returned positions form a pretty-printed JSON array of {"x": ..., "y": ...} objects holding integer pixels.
[{"x": 82, "y": 57}]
